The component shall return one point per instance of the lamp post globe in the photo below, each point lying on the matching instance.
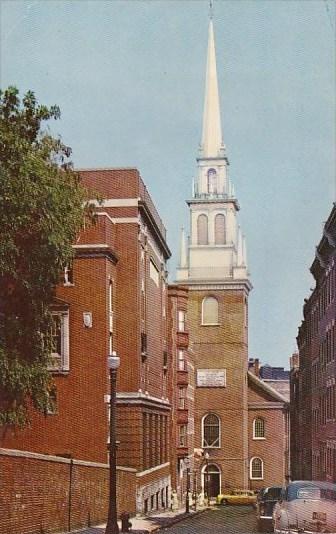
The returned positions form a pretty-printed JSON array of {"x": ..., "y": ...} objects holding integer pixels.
[{"x": 113, "y": 361}]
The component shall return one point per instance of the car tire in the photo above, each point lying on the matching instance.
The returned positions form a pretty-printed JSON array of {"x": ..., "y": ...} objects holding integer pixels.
[{"x": 224, "y": 502}]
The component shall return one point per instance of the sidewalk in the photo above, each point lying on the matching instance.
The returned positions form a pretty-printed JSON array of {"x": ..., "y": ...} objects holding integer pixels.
[{"x": 148, "y": 524}]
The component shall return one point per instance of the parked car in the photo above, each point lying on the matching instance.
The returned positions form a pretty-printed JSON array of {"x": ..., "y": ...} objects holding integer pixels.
[
  {"x": 266, "y": 499},
  {"x": 237, "y": 496},
  {"x": 306, "y": 507}
]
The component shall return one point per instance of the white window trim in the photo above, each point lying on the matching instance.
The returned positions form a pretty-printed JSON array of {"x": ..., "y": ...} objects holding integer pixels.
[
  {"x": 262, "y": 468},
  {"x": 64, "y": 357},
  {"x": 203, "y": 446},
  {"x": 257, "y": 438},
  {"x": 181, "y": 322},
  {"x": 202, "y": 318}
]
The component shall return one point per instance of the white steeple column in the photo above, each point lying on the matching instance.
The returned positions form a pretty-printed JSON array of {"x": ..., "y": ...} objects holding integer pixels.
[{"x": 212, "y": 143}]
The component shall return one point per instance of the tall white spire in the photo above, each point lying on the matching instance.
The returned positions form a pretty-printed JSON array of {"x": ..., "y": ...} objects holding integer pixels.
[{"x": 212, "y": 143}]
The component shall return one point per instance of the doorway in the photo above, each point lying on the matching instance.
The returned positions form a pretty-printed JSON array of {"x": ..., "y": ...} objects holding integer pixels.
[{"x": 211, "y": 480}]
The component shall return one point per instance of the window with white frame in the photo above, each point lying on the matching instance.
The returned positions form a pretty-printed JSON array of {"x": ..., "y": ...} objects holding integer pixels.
[
  {"x": 211, "y": 431},
  {"x": 181, "y": 321},
  {"x": 210, "y": 311},
  {"x": 256, "y": 469},
  {"x": 182, "y": 398},
  {"x": 181, "y": 363},
  {"x": 258, "y": 428},
  {"x": 59, "y": 359}
]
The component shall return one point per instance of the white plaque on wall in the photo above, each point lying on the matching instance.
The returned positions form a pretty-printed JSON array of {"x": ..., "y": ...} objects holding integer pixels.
[{"x": 211, "y": 378}]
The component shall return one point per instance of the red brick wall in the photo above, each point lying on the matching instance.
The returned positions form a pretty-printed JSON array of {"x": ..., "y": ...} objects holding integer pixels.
[
  {"x": 112, "y": 183},
  {"x": 272, "y": 449},
  {"x": 34, "y": 494},
  {"x": 80, "y": 392}
]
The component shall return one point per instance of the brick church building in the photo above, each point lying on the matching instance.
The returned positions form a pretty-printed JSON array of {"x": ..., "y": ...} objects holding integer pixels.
[{"x": 240, "y": 422}]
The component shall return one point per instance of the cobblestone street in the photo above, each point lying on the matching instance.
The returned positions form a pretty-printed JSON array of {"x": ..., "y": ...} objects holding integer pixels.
[{"x": 228, "y": 520}]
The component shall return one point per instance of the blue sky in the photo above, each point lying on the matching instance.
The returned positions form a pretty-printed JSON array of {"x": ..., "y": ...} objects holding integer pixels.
[{"x": 128, "y": 76}]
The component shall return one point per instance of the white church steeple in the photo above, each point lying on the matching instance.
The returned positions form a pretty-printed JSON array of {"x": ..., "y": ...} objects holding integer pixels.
[
  {"x": 216, "y": 247},
  {"x": 212, "y": 142}
]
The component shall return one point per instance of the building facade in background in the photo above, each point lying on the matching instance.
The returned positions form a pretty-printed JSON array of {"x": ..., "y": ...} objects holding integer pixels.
[{"x": 313, "y": 373}]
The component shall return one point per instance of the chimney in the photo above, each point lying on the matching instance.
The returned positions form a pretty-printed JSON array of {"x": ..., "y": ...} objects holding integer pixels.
[
  {"x": 294, "y": 360},
  {"x": 254, "y": 366}
]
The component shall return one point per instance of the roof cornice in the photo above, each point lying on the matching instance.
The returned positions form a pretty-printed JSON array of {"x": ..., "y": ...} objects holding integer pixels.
[{"x": 266, "y": 387}]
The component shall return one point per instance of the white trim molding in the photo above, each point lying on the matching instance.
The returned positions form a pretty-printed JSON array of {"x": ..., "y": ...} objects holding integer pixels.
[
  {"x": 116, "y": 202},
  {"x": 152, "y": 470}
]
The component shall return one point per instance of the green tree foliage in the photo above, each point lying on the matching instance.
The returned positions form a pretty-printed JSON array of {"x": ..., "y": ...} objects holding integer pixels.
[{"x": 41, "y": 212}]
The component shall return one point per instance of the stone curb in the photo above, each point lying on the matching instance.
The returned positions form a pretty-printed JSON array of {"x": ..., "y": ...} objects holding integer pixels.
[{"x": 158, "y": 528}]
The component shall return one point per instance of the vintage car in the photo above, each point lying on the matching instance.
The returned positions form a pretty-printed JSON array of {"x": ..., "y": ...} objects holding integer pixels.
[
  {"x": 266, "y": 499},
  {"x": 237, "y": 496},
  {"x": 306, "y": 507}
]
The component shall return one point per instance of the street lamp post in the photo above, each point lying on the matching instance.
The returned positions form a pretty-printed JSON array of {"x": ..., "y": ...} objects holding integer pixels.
[
  {"x": 206, "y": 456},
  {"x": 187, "y": 464},
  {"x": 112, "y": 520},
  {"x": 195, "y": 488}
]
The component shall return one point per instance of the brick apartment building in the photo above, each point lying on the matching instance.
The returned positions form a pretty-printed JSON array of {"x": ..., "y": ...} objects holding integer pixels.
[
  {"x": 182, "y": 390},
  {"x": 313, "y": 373},
  {"x": 140, "y": 317},
  {"x": 237, "y": 416},
  {"x": 114, "y": 298}
]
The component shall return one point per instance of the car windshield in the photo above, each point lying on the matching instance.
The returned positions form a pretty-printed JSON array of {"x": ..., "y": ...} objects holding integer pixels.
[{"x": 272, "y": 494}]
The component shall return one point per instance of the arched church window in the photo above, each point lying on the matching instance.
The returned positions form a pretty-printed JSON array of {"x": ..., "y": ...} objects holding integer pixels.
[
  {"x": 220, "y": 237},
  {"x": 210, "y": 310},
  {"x": 256, "y": 468},
  {"x": 211, "y": 431},
  {"x": 212, "y": 181},
  {"x": 202, "y": 230}
]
